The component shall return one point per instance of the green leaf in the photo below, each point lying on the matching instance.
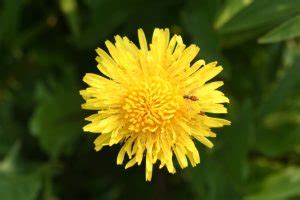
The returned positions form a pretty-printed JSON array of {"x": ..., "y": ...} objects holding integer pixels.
[
  {"x": 262, "y": 13},
  {"x": 281, "y": 185},
  {"x": 103, "y": 17},
  {"x": 280, "y": 135},
  {"x": 279, "y": 142},
  {"x": 15, "y": 183},
  {"x": 286, "y": 83},
  {"x": 279, "y": 111},
  {"x": 230, "y": 8},
  {"x": 19, "y": 187},
  {"x": 236, "y": 141},
  {"x": 57, "y": 120},
  {"x": 288, "y": 30},
  {"x": 237, "y": 39},
  {"x": 197, "y": 19},
  {"x": 9, "y": 164},
  {"x": 210, "y": 180}
]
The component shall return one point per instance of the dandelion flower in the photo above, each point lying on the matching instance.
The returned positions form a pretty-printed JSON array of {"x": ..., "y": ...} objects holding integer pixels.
[{"x": 153, "y": 100}]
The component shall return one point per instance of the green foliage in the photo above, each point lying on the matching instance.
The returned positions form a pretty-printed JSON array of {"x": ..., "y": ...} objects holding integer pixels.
[
  {"x": 69, "y": 8},
  {"x": 287, "y": 30},
  {"x": 46, "y": 47},
  {"x": 9, "y": 130},
  {"x": 262, "y": 13},
  {"x": 289, "y": 77},
  {"x": 11, "y": 10},
  {"x": 58, "y": 131},
  {"x": 15, "y": 182},
  {"x": 229, "y": 9},
  {"x": 272, "y": 187}
]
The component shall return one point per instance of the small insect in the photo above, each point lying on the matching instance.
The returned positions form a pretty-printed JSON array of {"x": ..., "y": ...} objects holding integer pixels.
[
  {"x": 191, "y": 97},
  {"x": 201, "y": 113}
]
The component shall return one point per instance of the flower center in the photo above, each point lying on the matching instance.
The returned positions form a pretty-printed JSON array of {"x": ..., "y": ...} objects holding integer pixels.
[{"x": 150, "y": 105}]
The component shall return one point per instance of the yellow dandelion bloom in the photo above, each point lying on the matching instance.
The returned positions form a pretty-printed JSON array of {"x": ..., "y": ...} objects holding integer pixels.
[{"x": 153, "y": 100}]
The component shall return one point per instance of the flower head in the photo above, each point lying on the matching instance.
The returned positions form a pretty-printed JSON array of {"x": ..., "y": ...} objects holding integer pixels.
[{"x": 153, "y": 100}]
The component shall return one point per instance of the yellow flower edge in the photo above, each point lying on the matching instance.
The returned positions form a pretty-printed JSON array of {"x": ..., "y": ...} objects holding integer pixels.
[{"x": 153, "y": 100}]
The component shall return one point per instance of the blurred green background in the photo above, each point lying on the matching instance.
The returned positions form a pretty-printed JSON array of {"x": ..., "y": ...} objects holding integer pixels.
[{"x": 47, "y": 46}]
